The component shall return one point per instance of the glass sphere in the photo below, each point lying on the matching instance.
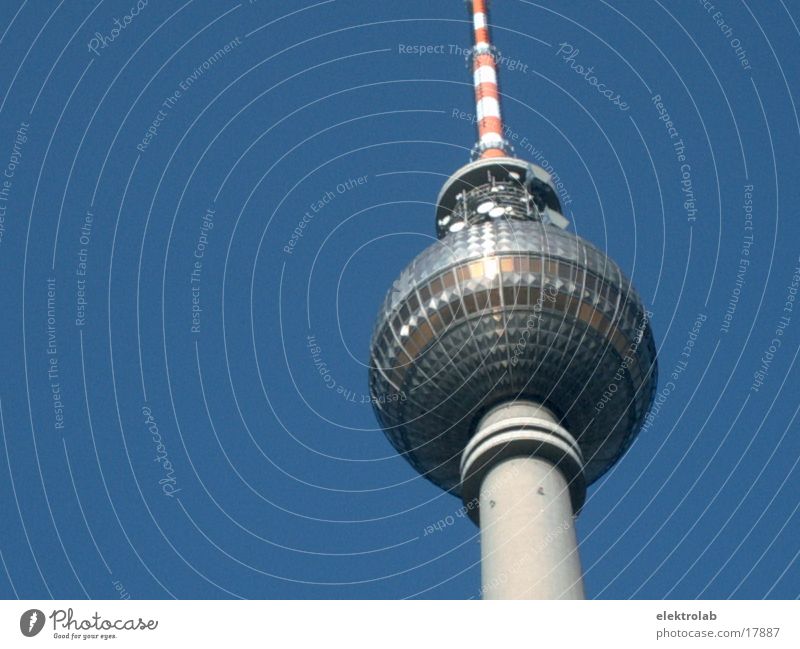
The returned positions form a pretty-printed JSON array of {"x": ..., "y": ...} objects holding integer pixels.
[{"x": 504, "y": 310}]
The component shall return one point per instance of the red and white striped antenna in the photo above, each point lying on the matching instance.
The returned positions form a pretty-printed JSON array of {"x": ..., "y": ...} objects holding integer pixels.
[
  {"x": 495, "y": 183},
  {"x": 491, "y": 143}
]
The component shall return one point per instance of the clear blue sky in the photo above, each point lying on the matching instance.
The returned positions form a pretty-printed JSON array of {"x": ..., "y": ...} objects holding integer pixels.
[{"x": 168, "y": 429}]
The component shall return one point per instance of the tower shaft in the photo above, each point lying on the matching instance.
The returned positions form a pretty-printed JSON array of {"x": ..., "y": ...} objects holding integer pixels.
[
  {"x": 491, "y": 143},
  {"x": 528, "y": 544},
  {"x": 527, "y": 473}
]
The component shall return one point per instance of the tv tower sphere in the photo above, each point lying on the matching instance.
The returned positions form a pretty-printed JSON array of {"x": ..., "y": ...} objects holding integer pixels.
[{"x": 512, "y": 362}]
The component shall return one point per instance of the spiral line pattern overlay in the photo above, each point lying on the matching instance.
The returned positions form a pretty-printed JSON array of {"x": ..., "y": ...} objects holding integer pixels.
[{"x": 202, "y": 205}]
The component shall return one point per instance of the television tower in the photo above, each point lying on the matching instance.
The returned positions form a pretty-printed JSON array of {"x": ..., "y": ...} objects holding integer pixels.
[{"x": 512, "y": 363}]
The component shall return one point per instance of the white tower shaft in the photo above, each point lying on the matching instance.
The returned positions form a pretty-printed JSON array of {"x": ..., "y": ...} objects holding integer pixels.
[
  {"x": 528, "y": 545},
  {"x": 526, "y": 472}
]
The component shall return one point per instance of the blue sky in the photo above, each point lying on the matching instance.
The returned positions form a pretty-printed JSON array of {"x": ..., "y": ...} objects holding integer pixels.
[{"x": 207, "y": 202}]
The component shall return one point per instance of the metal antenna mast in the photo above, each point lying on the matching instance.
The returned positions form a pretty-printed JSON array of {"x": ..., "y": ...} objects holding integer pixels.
[{"x": 491, "y": 143}]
